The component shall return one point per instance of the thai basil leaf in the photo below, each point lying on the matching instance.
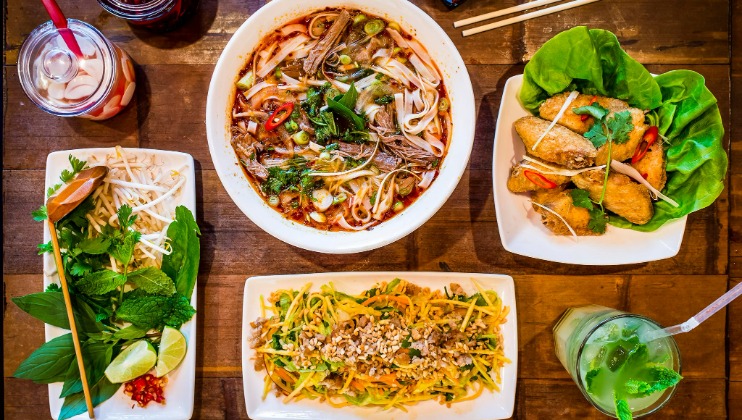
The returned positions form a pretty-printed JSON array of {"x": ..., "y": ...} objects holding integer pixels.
[
  {"x": 75, "y": 403},
  {"x": 50, "y": 362},
  {"x": 181, "y": 264}
]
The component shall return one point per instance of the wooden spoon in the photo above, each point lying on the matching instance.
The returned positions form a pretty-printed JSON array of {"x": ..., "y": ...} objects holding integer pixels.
[{"x": 58, "y": 206}]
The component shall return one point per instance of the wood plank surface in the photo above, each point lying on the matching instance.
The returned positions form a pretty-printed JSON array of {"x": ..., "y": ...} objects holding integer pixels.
[{"x": 173, "y": 72}]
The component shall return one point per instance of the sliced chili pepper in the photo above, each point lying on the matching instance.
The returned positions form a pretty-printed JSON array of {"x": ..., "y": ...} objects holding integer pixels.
[
  {"x": 650, "y": 136},
  {"x": 539, "y": 180},
  {"x": 584, "y": 117},
  {"x": 645, "y": 175},
  {"x": 281, "y": 114}
]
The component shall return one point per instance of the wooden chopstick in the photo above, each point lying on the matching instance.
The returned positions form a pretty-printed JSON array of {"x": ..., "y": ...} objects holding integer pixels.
[
  {"x": 503, "y": 12},
  {"x": 71, "y": 317},
  {"x": 521, "y": 18}
]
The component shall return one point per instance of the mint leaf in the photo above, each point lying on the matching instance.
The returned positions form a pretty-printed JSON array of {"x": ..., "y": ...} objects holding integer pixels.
[
  {"x": 181, "y": 312},
  {"x": 590, "y": 380},
  {"x": 49, "y": 363},
  {"x": 593, "y": 109},
  {"x": 181, "y": 264},
  {"x": 581, "y": 198},
  {"x": 39, "y": 214},
  {"x": 651, "y": 380},
  {"x": 152, "y": 280},
  {"x": 623, "y": 412},
  {"x": 620, "y": 125},
  {"x": 156, "y": 311},
  {"x": 598, "y": 220},
  {"x": 45, "y": 248},
  {"x": 100, "y": 282},
  {"x": 95, "y": 246},
  {"x": 75, "y": 403}
]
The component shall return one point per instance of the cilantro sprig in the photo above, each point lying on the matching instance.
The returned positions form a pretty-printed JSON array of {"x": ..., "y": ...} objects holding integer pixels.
[
  {"x": 598, "y": 218},
  {"x": 608, "y": 128}
]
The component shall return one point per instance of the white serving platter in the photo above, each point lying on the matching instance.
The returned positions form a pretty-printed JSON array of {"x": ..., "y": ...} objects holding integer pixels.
[
  {"x": 498, "y": 405},
  {"x": 179, "y": 390},
  {"x": 521, "y": 230}
]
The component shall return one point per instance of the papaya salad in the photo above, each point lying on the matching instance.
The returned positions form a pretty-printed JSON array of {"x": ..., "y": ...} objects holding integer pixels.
[{"x": 391, "y": 346}]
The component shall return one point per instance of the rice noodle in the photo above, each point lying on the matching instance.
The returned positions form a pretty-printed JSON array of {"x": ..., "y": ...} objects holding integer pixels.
[
  {"x": 257, "y": 88},
  {"x": 286, "y": 47},
  {"x": 568, "y": 101},
  {"x": 428, "y": 177},
  {"x": 340, "y": 221},
  {"x": 633, "y": 173},
  {"x": 290, "y": 29}
]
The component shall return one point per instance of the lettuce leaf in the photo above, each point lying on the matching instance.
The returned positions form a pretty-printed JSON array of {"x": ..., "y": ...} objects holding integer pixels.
[{"x": 592, "y": 62}]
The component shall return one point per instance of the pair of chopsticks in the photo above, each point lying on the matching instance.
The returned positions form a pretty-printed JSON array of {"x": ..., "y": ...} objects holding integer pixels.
[{"x": 516, "y": 19}]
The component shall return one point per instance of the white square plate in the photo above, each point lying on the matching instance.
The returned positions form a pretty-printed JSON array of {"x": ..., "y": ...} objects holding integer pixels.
[
  {"x": 498, "y": 405},
  {"x": 182, "y": 380},
  {"x": 521, "y": 230}
]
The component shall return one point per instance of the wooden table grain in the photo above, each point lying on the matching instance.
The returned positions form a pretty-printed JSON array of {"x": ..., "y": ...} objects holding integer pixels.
[{"x": 173, "y": 72}]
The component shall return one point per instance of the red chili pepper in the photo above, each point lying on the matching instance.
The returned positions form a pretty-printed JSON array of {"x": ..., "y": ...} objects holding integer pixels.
[
  {"x": 539, "y": 180},
  {"x": 644, "y": 175},
  {"x": 281, "y": 114},
  {"x": 650, "y": 136},
  {"x": 584, "y": 117}
]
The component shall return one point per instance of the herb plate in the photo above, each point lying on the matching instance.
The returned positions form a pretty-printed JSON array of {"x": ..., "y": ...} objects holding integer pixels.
[
  {"x": 497, "y": 405},
  {"x": 522, "y": 232},
  {"x": 181, "y": 381}
]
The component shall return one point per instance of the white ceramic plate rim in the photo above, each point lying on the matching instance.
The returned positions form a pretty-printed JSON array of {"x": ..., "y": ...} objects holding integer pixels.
[
  {"x": 247, "y": 199},
  {"x": 487, "y": 406},
  {"x": 179, "y": 391},
  {"x": 522, "y": 232}
]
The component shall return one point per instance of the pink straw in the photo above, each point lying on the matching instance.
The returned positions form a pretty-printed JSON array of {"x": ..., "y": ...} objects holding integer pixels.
[{"x": 60, "y": 22}]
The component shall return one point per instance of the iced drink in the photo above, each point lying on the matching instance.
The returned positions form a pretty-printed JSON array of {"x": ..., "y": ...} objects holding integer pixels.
[{"x": 617, "y": 370}]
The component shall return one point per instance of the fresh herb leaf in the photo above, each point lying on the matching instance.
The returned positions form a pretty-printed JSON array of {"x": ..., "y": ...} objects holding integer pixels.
[
  {"x": 100, "y": 282},
  {"x": 75, "y": 403},
  {"x": 45, "y": 248},
  {"x": 593, "y": 109},
  {"x": 48, "y": 307},
  {"x": 132, "y": 332},
  {"x": 123, "y": 248},
  {"x": 598, "y": 220},
  {"x": 347, "y": 113},
  {"x": 49, "y": 363},
  {"x": 349, "y": 99},
  {"x": 39, "y": 214},
  {"x": 156, "y": 311},
  {"x": 152, "y": 280},
  {"x": 581, "y": 198},
  {"x": 623, "y": 412},
  {"x": 80, "y": 269},
  {"x": 414, "y": 353},
  {"x": 126, "y": 219},
  {"x": 655, "y": 378},
  {"x": 95, "y": 246},
  {"x": 53, "y": 287},
  {"x": 96, "y": 356},
  {"x": 182, "y": 263},
  {"x": 590, "y": 380},
  {"x": 596, "y": 135},
  {"x": 620, "y": 126}
]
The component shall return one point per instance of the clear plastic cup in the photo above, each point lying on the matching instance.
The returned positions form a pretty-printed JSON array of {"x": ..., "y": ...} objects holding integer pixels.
[
  {"x": 157, "y": 15},
  {"x": 587, "y": 338},
  {"x": 97, "y": 87}
]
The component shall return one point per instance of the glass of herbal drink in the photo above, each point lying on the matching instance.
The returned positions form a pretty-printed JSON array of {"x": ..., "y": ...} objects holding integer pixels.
[{"x": 619, "y": 371}]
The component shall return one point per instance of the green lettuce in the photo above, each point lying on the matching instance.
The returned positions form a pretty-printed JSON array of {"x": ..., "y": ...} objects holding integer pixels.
[{"x": 592, "y": 61}]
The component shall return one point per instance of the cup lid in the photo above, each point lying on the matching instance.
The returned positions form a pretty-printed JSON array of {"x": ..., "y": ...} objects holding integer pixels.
[{"x": 55, "y": 79}]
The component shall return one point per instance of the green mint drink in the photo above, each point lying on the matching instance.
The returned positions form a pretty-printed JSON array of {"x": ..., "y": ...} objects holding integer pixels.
[{"x": 615, "y": 368}]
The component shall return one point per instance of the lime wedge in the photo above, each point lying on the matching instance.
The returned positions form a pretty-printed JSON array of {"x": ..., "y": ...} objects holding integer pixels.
[
  {"x": 172, "y": 351},
  {"x": 134, "y": 361}
]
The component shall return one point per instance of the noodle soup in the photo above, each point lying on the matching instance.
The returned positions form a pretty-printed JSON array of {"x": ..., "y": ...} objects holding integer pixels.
[{"x": 340, "y": 120}]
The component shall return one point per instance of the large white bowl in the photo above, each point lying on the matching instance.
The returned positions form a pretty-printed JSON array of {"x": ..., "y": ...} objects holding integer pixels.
[{"x": 220, "y": 99}]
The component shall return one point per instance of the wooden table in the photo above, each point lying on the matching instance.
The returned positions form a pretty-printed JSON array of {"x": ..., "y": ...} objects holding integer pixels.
[{"x": 173, "y": 73}]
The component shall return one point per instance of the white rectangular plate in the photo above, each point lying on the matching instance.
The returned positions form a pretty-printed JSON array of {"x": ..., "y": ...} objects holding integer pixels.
[
  {"x": 521, "y": 230},
  {"x": 182, "y": 380},
  {"x": 498, "y": 405}
]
